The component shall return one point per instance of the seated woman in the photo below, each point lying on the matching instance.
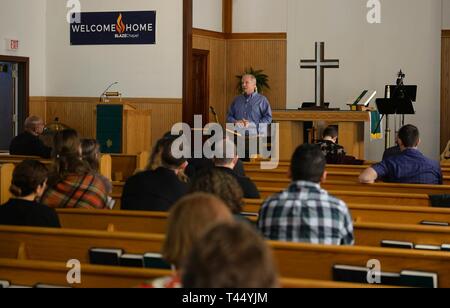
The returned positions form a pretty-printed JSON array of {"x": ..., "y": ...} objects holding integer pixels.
[
  {"x": 91, "y": 154},
  {"x": 155, "y": 161},
  {"x": 159, "y": 189},
  {"x": 188, "y": 220},
  {"x": 28, "y": 184},
  {"x": 222, "y": 185},
  {"x": 72, "y": 183},
  {"x": 230, "y": 255}
]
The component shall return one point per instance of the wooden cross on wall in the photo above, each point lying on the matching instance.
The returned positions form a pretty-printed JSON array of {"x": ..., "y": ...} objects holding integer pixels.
[{"x": 319, "y": 64}]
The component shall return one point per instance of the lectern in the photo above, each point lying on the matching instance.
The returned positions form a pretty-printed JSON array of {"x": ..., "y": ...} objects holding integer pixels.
[{"x": 122, "y": 129}]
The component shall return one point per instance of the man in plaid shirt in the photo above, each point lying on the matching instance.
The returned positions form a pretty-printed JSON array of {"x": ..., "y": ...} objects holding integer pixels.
[{"x": 304, "y": 212}]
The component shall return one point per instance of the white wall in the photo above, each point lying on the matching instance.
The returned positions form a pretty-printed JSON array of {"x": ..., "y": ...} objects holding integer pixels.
[
  {"x": 446, "y": 14},
  {"x": 408, "y": 38},
  {"x": 142, "y": 70},
  {"x": 260, "y": 16},
  {"x": 25, "y": 20},
  {"x": 207, "y": 15}
]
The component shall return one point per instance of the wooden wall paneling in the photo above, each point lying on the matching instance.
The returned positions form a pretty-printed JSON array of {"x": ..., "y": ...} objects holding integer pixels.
[
  {"x": 165, "y": 113},
  {"x": 38, "y": 107},
  {"x": 217, "y": 69},
  {"x": 445, "y": 89},
  {"x": 79, "y": 113},
  {"x": 259, "y": 53}
]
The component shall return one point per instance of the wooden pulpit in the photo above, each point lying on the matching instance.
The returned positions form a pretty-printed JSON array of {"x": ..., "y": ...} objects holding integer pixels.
[
  {"x": 122, "y": 129},
  {"x": 350, "y": 126}
]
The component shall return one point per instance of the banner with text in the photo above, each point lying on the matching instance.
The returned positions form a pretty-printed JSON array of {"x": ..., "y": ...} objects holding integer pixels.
[{"x": 115, "y": 28}]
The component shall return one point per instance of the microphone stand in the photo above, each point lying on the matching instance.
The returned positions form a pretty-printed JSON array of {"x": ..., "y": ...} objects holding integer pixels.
[{"x": 109, "y": 87}]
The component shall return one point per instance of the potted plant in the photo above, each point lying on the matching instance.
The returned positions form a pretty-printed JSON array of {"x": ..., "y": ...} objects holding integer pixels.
[{"x": 262, "y": 80}]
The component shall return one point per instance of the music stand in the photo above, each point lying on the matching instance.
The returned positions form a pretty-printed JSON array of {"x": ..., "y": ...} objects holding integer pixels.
[
  {"x": 391, "y": 106},
  {"x": 407, "y": 93}
]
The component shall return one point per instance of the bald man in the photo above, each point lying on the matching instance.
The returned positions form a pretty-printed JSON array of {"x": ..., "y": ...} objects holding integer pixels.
[{"x": 28, "y": 142}]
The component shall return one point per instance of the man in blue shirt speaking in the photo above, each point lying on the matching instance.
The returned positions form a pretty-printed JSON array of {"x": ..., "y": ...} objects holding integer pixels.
[{"x": 250, "y": 110}]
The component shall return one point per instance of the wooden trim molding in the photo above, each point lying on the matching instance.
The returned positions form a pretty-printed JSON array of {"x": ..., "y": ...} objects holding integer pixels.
[
  {"x": 188, "y": 108},
  {"x": 208, "y": 34},
  {"x": 257, "y": 36},
  {"x": 131, "y": 100},
  {"x": 240, "y": 36},
  {"x": 227, "y": 16},
  {"x": 445, "y": 33}
]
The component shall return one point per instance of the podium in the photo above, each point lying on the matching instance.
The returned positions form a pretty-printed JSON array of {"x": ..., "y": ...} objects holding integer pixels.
[
  {"x": 122, "y": 129},
  {"x": 350, "y": 126}
]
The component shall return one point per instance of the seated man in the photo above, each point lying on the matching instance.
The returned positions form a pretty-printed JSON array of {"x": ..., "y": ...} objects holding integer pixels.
[
  {"x": 334, "y": 153},
  {"x": 251, "y": 114},
  {"x": 228, "y": 164},
  {"x": 408, "y": 167},
  {"x": 304, "y": 212},
  {"x": 28, "y": 142}
]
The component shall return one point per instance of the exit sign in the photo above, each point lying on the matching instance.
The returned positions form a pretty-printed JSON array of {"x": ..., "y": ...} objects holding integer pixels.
[{"x": 12, "y": 45}]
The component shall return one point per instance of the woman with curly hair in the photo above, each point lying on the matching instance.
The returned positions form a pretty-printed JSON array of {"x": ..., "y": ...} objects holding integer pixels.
[{"x": 222, "y": 185}]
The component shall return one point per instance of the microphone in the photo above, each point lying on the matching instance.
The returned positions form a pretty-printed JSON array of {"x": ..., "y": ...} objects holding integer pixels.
[
  {"x": 213, "y": 111},
  {"x": 109, "y": 87}
]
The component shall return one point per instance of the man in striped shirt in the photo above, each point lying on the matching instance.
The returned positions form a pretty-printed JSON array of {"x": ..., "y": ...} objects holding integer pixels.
[{"x": 304, "y": 212}]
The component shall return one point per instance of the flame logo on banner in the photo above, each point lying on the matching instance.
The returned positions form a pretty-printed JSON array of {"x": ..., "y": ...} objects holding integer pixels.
[{"x": 120, "y": 25}]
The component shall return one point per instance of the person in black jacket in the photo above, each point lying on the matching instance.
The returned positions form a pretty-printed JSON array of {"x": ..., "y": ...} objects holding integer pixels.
[
  {"x": 28, "y": 142},
  {"x": 156, "y": 190},
  {"x": 227, "y": 163},
  {"x": 28, "y": 184}
]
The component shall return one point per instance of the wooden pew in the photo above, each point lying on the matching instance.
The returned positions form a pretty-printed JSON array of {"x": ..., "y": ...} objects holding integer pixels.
[
  {"x": 104, "y": 163},
  {"x": 393, "y": 214},
  {"x": 6, "y": 172},
  {"x": 371, "y": 234},
  {"x": 407, "y": 215},
  {"x": 113, "y": 221},
  {"x": 124, "y": 166},
  {"x": 19, "y": 158},
  {"x": 294, "y": 260},
  {"x": 366, "y": 233},
  {"x": 316, "y": 262},
  {"x": 354, "y": 185},
  {"x": 333, "y": 174},
  {"x": 283, "y": 167},
  {"x": 29, "y": 273},
  {"x": 359, "y": 197},
  {"x": 155, "y": 222}
]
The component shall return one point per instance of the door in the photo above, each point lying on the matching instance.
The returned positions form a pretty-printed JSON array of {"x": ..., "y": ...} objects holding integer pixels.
[
  {"x": 8, "y": 103},
  {"x": 200, "y": 84}
]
